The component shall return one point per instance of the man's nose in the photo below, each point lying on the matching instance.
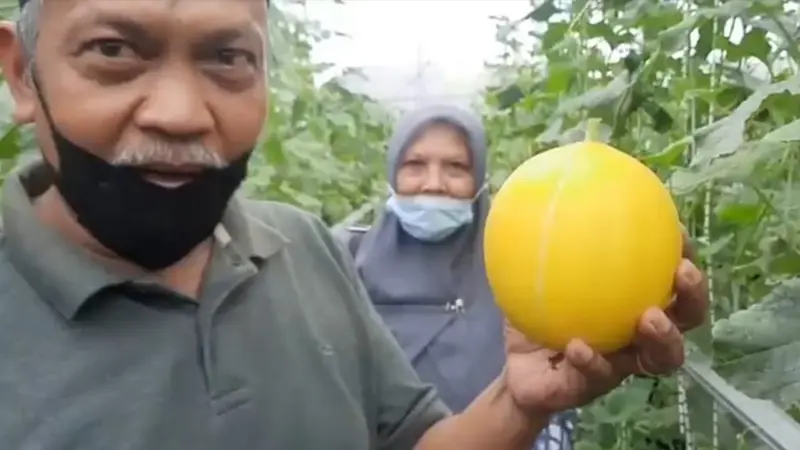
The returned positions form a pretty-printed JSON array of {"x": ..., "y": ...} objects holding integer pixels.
[{"x": 175, "y": 106}]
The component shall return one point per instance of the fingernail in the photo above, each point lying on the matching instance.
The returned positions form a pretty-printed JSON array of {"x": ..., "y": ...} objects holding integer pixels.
[{"x": 659, "y": 326}]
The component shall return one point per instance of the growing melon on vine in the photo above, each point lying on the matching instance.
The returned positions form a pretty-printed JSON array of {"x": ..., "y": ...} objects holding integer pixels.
[{"x": 580, "y": 241}]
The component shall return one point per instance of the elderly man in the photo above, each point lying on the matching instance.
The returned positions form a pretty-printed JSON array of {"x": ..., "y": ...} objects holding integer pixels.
[{"x": 142, "y": 308}]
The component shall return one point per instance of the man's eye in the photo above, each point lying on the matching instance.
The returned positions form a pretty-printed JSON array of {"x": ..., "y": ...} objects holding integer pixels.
[
  {"x": 112, "y": 48},
  {"x": 233, "y": 57}
]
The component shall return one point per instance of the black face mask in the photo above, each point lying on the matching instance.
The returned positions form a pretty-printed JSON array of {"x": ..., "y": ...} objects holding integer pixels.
[{"x": 149, "y": 225}]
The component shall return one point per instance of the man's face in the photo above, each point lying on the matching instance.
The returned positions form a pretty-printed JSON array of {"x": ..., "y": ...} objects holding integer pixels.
[{"x": 165, "y": 83}]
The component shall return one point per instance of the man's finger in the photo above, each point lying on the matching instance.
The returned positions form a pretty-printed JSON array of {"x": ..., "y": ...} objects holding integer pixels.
[
  {"x": 690, "y": 307},
  {"x": 659, "y": 344},
  {"x": 599, "y": 372}
]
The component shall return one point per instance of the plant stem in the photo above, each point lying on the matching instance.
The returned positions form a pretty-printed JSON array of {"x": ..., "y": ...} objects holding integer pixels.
[{"x": 593, "y": 129}]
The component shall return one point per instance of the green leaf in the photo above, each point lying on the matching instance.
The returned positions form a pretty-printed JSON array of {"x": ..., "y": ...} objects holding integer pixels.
[
  {"x": 727, "y": 135},
  {"x": 595, "y": 97},
  {"x": 9, "y": 144},
  {"x": 543, "y": 12},
  {"x": 787, "y": 133},
  {"x": 509, "y": 96},
  {"x": 755, "y": 44},
  {"x": 554, "y": 35},
  {"x": 771, "y": 323}
]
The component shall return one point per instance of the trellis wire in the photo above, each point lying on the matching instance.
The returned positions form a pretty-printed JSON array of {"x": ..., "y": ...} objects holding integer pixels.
[
  {"x": 684, "y": 420},
  {"x": 683, "y": 406},
  {"x": 707, "y": 209}
]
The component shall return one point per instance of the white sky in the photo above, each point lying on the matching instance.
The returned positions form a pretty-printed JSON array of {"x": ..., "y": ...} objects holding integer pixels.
[
  {"x": 451, "y": 38},
  {"x": 454, "y": 33},
  {"x": 392, "y": 39}
]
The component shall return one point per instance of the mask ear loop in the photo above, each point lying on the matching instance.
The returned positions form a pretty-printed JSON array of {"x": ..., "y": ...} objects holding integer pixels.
[
  {"x": 484, "y": 187},
  {"x": 390, "y": 192},
  {"x": 37, "y": 86}
]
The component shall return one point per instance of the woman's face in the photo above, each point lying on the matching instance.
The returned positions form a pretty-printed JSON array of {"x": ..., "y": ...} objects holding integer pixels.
[{"x": 437, "y": 163}]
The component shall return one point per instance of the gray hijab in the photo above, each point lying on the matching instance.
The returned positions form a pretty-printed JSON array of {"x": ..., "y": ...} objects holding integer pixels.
[{"x": 435, "y": 297}]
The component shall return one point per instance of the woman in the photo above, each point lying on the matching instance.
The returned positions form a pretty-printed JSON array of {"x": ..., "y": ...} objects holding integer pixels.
[{"x": 422, "y": 261}]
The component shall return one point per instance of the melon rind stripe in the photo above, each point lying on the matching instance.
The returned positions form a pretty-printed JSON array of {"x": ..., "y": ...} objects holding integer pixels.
[{"x": 547, "y": 222}]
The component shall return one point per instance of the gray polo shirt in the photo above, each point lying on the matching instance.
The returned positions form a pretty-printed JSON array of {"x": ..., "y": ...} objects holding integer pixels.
[{"x": 283, "y": 351}]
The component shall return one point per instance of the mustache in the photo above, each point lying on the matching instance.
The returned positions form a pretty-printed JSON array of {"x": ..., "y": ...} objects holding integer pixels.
[{"x": 150, "y": 152}]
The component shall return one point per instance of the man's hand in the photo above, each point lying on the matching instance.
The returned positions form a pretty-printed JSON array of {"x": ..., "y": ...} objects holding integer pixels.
[
  {"x": 511, "y": 412},
  {"x": 541, "y": 385}
]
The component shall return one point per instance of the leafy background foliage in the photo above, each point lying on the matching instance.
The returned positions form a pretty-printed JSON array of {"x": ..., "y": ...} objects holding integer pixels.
[{"x": 705, "y": 92}]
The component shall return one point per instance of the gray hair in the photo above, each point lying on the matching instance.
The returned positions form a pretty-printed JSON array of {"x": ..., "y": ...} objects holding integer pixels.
[
  {"x": 28, "y": 30},
  {"x": 147, "y": 150}
]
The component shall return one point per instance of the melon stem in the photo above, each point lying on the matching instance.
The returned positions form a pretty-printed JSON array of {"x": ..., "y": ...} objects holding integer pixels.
[{"x": 593, "y": 129}]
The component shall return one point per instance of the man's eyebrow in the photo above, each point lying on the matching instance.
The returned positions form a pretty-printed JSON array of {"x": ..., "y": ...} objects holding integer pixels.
[
  {"x": 135, "y": 30},
  {"x": 230, "y": 33},
  {"x": 124, "y": 25}
]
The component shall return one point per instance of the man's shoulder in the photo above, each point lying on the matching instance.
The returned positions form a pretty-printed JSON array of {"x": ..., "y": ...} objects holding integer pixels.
[
  {"x": 286, "y": 218},
  {"x": 291, "y": 220},
  {"x": 299, "y": 227}
]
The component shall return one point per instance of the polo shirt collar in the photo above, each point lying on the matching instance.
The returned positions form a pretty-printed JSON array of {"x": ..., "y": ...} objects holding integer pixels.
[
  {"x": 67, "y": 277},
  {"x": 249, "y": 235}
]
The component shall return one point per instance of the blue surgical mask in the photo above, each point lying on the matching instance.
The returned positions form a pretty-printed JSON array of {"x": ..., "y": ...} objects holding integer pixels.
[{"x": 430, "y": 218}]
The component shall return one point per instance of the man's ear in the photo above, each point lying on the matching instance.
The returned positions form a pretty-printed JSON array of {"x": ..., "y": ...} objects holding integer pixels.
[{"x": 14, "y": 67}]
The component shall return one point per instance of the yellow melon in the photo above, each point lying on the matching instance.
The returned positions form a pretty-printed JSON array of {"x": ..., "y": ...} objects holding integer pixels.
[{"x": 579, "y": 242}]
